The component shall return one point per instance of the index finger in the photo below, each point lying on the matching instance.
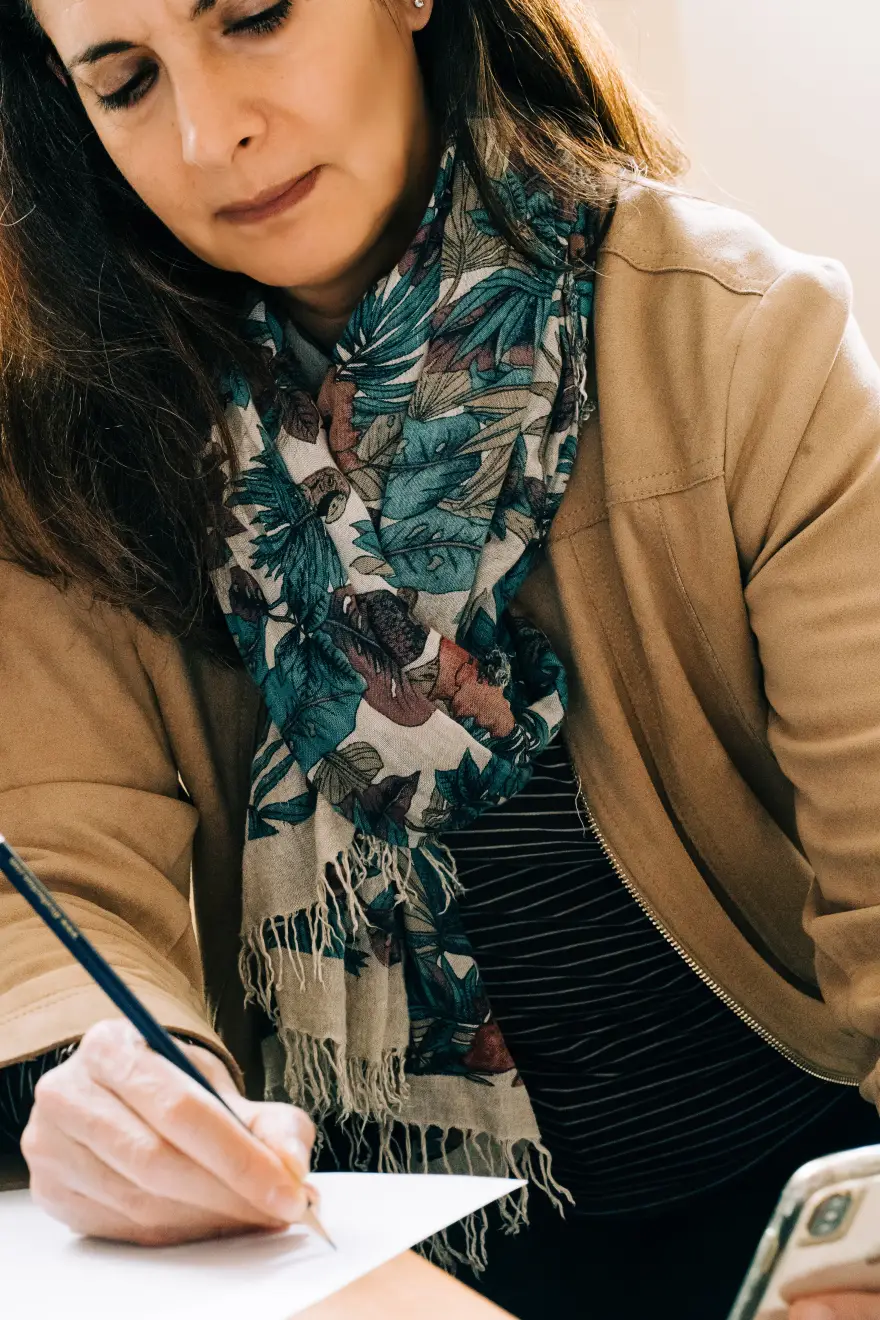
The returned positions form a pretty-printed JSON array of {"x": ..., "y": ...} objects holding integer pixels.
[{"x": 192, "y": 1120}]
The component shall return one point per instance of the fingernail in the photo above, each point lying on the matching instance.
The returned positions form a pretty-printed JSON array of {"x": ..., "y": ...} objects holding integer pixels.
[
  {"x": 286, "y": 1202},
  {"x": 815, "y": 1311}
]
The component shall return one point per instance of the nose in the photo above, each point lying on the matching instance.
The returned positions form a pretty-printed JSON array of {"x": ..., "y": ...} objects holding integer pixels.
[{"x": 214, "y": 121}]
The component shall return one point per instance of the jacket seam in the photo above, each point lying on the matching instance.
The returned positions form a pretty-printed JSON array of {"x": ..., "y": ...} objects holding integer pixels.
[
  {"x": 557, "y": 538},
  {"x": 753, "y": 733},
  {"x": 684, "y": 268},
  {"x": 635, "y": 683},
  {"x": 102, "y": 784},
  {"x": 666, "y": 472},
  {"x": 728, "y": 408},
  {"x": 675, "y": 489},
  {"x": 47, "y": 1000}
]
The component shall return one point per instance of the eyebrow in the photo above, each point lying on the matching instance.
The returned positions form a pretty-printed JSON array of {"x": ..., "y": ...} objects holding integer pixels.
[{"x": 100, "y": 51}]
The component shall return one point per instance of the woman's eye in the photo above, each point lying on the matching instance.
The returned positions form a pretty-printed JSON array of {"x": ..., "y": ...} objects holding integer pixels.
[
  {"x": 268, "y": 20},
  {"x": 130, "y": 93}
]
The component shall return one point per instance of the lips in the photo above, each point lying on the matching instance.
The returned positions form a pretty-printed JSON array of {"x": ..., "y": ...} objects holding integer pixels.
[{"x": 272, "y": 200}]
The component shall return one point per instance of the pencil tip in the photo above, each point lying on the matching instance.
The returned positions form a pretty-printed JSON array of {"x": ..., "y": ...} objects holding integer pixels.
[{"x": 316, "y": 1226}]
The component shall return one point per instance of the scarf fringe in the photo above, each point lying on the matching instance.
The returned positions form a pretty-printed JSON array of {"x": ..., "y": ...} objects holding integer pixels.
[
  {"x": 361, "y": 1095},
  {"x": 528, "y": 1162},
  {"x": 367, "y": 861},
  {"x": 367, "y": 1098},
  {"x": 369, "y": 858},
  {"x": 322, "y": 1079}
]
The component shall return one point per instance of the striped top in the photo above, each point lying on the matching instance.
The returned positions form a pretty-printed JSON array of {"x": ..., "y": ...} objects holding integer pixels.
[
  {"x": 17, "y": 1094},
  {"x": 646, "y": 1087}
]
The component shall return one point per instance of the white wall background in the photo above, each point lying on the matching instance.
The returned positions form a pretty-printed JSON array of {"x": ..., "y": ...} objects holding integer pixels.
[{"x": 778, "y": 103}]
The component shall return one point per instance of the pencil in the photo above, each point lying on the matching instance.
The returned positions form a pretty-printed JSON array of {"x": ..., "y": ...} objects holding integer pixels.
[{"x": 22, "y": 878}]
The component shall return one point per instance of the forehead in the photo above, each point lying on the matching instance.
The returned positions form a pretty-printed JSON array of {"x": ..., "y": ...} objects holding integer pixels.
[{"x": 69, "y": 21}]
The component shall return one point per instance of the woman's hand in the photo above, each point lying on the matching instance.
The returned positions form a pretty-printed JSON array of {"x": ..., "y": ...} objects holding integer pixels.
[
  {"x": 840, "y": 1306},
  {"x": 121, "y": 1144}
]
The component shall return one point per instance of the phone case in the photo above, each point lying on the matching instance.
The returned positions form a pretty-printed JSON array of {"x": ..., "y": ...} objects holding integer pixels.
[{"x": 824, "y": 1236}]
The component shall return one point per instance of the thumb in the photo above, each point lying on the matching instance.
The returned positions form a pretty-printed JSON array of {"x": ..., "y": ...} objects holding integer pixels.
[{"x": 838, "y": 1306}]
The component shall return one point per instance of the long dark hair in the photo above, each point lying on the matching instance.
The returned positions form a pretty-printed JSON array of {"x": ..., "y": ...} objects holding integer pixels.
[{"x": 112, "y": 335}]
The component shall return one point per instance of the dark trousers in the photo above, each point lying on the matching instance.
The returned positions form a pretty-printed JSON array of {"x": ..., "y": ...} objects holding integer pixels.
[{"x": 686, "y": 1263}]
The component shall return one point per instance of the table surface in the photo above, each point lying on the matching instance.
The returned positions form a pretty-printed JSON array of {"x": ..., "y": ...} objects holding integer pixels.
[{"x": 407, "y": 1286}]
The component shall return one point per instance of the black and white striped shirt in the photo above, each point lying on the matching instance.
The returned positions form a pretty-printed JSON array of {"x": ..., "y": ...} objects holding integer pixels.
[{"x": 646, "y": 1087}]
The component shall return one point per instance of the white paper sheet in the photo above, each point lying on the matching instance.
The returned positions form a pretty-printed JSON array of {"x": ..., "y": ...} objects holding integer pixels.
[{"x": 47, "y": 1271}]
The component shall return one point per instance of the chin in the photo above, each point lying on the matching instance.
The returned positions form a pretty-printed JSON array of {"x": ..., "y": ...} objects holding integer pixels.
[
  {"x": 306, "y": 266},
  {"x": 297, "y": 274},
  {"x": 318, "y": 248}
]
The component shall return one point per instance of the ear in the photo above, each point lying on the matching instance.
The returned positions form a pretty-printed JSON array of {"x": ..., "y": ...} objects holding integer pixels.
[{"x": 415, "y": 15}]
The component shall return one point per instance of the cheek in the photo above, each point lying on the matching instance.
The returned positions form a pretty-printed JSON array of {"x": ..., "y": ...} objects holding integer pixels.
[
  {"x": 357, "y": 103},
  {"x": 151, "y": 163},
  {"x": 366, "y": 122},
  {"x": 361, "y": 127}
]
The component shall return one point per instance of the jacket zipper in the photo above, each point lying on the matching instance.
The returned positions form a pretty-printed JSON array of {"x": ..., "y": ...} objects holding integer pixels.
[{"x": 695, "y": 967}]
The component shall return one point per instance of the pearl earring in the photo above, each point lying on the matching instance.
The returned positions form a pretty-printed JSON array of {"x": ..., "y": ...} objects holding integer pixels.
[{"x": 419, "y": 4}]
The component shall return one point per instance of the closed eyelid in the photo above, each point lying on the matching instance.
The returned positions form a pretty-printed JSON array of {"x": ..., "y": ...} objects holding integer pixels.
[{"x": 117, "y": 75}]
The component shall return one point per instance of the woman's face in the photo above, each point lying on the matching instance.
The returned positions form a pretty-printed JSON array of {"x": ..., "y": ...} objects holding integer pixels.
[{"x": 207, "y": 105}]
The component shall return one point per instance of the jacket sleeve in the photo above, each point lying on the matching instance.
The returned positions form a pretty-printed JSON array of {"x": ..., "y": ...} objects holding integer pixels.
[
  {"x": 804, "y": 479},
  {"x": 90, "y": 797}
]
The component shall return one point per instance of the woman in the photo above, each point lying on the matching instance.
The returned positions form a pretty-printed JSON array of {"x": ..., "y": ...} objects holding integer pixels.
[{"x": 313, "y": 313}]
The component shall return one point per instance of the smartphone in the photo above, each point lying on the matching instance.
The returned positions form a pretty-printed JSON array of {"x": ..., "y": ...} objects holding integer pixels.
[{"x": 823, "y": 1237}]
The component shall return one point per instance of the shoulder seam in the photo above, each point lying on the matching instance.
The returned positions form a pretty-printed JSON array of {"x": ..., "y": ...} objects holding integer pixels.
[{"x": 682, "y": 268}]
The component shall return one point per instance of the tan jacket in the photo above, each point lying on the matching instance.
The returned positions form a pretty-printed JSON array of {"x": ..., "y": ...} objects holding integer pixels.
[{"x": 712, "y": 585}]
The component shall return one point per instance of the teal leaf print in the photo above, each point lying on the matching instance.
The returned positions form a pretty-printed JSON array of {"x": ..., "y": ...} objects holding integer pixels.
[
  {"x": 465, "y": 792},
  {"x": 514, "y": 320},
  {"x": 313, "y": 694},
  {"x": 250, "y": 639},
  {"x": 292, "y": 546},
  {"x": 265, "y": 757},
  {"x": 294, "y": 812},
  {"x": 234, "y": 388},
  {"x": 265, "y": 329},
  {"x": 435, "y": 554},
  {"x": 428, "y": 466},
  {"x": 257, "y": 828},
  {"x": 264, "y": 785}
]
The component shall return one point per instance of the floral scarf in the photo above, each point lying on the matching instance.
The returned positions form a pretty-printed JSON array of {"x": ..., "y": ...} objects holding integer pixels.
[{"x": 375, "y": 538}]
